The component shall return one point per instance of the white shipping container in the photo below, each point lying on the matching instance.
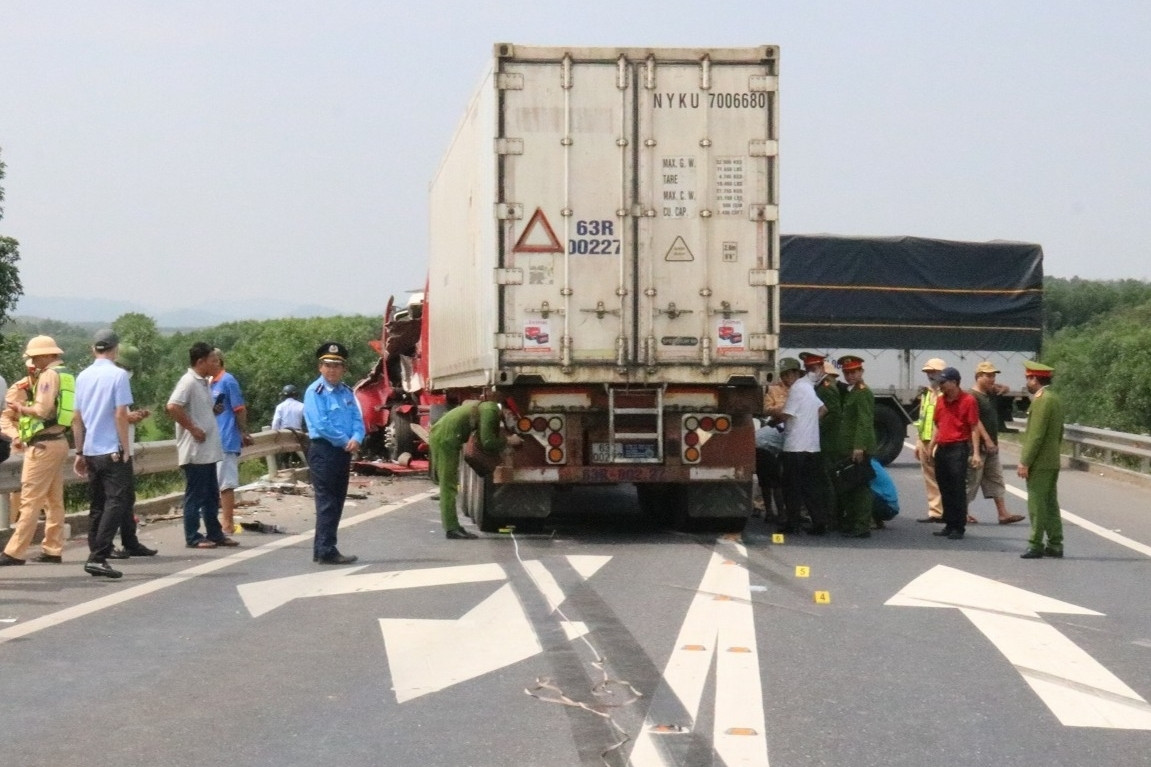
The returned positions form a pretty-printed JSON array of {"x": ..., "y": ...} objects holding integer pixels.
[{"x": 609, "y": 215}]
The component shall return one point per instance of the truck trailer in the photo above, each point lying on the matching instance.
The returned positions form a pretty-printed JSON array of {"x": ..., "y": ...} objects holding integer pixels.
[
  {"x": 899, "y": 301},
  {"x": 604, "y": 253}
]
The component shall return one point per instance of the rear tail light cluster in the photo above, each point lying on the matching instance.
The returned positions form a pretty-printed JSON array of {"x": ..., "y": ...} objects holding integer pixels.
[
  {"x": 548, "y": 430},
  {"x": 697, "y": 430}
]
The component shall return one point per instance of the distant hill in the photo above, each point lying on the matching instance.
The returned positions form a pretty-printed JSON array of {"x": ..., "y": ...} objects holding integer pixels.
[{"x": 102, "y": 311}]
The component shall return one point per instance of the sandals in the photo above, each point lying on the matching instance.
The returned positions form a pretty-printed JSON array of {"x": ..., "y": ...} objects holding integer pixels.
[
  {"x": 227, "y": 542},
  {"x": 203, "y": 543},
  {"x": 1011, "y": 520}
]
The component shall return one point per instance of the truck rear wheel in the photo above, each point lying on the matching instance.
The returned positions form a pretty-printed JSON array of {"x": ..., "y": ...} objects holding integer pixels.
[{"x": 890, "y": 432}]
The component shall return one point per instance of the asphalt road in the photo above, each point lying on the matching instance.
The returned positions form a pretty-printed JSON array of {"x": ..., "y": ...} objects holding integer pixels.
[{"x": 604, "y": 640}]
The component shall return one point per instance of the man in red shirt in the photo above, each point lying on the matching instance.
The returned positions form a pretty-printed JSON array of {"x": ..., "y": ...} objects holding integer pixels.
[{"x": 954, "y": 446}]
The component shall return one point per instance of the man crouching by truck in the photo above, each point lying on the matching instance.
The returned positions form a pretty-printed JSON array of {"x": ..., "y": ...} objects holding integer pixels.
[{"x": 447, "y": 439}]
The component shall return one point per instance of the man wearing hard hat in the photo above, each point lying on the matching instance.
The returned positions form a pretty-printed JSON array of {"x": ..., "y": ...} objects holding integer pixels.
[{"x": 43, "y": 421}]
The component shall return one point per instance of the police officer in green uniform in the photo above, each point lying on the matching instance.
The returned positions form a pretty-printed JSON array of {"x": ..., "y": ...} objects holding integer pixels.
[
  {"x": 857, "y": 434},
  {"x": 447, "y": 438},
  {"x": 831, "y": 450},
  {"x": 1039, "y": 463}
]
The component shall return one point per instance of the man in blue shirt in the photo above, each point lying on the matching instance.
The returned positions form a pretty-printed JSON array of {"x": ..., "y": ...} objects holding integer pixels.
[
  {"x": 100, "y": 427},
  {"x": 336, "y": 429},
  {"x": 232, "y": 421}
]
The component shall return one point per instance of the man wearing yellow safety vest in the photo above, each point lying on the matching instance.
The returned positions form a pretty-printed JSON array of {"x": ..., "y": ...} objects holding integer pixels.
[
  {"x": 43, "y": 422},
  {"x": 925, "y": 428}
]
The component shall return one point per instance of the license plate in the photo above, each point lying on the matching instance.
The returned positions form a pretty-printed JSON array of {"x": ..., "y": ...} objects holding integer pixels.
[{"x": 624, "y": 451}]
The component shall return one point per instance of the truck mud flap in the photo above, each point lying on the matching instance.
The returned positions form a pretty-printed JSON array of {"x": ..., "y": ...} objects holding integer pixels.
[{"x": 725, "y": 505}]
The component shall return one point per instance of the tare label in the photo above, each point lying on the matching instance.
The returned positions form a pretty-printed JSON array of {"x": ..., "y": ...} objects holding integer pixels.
[{"x": 678, "y": 187}]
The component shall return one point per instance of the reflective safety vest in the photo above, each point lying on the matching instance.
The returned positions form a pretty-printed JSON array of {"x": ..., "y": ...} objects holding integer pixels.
[
  {"x": 29, "y": 425},
  {"x": 925, "y": 426}
]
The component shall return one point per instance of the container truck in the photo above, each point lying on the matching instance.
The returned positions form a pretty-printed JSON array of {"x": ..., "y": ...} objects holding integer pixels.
[
  {"x": 899, "y": 301},
  {"x": 604, "y": 253}
]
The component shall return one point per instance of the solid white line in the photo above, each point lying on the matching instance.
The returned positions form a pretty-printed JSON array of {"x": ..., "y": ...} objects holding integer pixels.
[
  {"x": 719, "y": 620},
  {"x": 1091, "y": 527},
  {"x": 1087, "y": 525},
  {"x": 143, "y": 589}
]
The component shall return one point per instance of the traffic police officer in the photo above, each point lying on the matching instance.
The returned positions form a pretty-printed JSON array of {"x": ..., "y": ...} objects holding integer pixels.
[
  {"x": 1039, "y": 463},
  {"x": 42, "y": 422},
  {"x": 336, "y": 429},
  {"x": 857, "y": 435}
]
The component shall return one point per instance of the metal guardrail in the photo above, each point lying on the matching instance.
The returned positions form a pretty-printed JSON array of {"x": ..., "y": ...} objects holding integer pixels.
[
  {"x": 1112, "y": 448},
  {"x": 147, "y": 458}
]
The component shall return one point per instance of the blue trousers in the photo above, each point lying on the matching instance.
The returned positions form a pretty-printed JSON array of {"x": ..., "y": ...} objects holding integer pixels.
[
  {"x": 330, "y": 468},
  {"x": 201, "y": 500}
]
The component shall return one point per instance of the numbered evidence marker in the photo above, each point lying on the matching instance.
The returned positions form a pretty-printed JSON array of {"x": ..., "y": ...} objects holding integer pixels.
[
  {"x": 802, "y": 571},
  {"x": 777, "y": 537},
  {"x": 823, "y": 597}
]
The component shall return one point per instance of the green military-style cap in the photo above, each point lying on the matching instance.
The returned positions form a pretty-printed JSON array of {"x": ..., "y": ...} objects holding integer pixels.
[
  {"x": 1037, "y": 369},
  {"x": 789, "y": 363}
]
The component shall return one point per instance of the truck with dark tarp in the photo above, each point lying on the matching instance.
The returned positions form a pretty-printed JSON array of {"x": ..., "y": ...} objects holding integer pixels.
[{"x": 900, "y": 301}]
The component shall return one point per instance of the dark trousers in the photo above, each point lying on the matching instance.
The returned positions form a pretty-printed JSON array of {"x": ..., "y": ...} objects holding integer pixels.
[
  {"x": 770, "y": 476},
  {"x": 951, "y": 473},
  {"x": 201, "y": 500},
  {"x": 330, "y": 468},
  {"x": 805, "y": 484},
  {"x": 128, "y": 537},
  {"x": 112, "y": 486}
]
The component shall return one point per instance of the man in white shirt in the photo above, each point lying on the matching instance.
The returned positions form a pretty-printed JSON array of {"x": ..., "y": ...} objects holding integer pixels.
[{"x": 805, "y": 482}]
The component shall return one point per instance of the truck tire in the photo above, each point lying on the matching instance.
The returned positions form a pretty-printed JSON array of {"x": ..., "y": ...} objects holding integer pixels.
[
  {"x": 475, "y": 500},
  {"x": 890, "y": 433},
  {"x": 399, "y": 436}
]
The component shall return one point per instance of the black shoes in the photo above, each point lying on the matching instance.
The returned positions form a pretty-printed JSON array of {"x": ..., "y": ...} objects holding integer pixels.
[
  {"x": 459, "y": 534},
  {"x": 336, "y": 559},
  {"x": 817, "y": 530},
  {"x": 52, "y": 559},
  {"x": 1032, "y": 554},
  {"x": 6, "y": 561},
  {"x": 1053, "y": 553},
  {"x": 101, "y": 568},
  {"x": 949, "y": 534},
  {"x": 139, "y": 550},
  {"x": 860, "y": 534},
  {"x": 936, "y": 520},
  {"x": 118, "y": 554}
]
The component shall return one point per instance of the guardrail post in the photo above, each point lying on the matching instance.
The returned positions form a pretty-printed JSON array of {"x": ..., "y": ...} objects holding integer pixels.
[{"x": 4, "y": 511}]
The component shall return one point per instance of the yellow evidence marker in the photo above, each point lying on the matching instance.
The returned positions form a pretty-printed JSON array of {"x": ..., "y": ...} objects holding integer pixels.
[
  {"x": 823, "y": 597},
  {"x": 802, "y": 571}
]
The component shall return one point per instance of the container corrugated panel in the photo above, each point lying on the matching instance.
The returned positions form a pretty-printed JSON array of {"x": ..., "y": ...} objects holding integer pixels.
[{"x": 610, "y": 215}]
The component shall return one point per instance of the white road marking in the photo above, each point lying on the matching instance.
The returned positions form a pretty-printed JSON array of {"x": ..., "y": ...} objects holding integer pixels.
[
  {"x": 264, "y": 596},
  {"x": 1072, "y": 684},
  {"x": 426, "y": 656},
  {"x": 151, "y": 587},
  {"x": 1091, "y": 527},
  {"x": 719, "y": 619},
  {"x": 587, "y": 565},
  {"x": 1075, "y": 519}
]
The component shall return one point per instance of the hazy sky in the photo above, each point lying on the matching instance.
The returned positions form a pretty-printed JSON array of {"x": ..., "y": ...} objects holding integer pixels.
[{"x": 178, "y": 152}]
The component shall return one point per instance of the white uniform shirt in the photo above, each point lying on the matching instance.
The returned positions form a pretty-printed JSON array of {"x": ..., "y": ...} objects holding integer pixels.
[{"x": 802, "y": 407}]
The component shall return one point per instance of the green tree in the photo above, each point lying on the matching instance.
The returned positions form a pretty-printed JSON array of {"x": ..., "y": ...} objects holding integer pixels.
[
  {"x": 150, "y": 385},
  {"x": 10, "y": 287}
]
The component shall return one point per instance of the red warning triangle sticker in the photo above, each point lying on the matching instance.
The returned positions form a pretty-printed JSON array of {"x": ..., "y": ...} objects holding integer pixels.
[{"x": 533, "y": 241}]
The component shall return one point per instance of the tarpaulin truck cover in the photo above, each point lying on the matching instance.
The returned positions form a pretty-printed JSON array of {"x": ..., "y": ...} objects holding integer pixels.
[{"x": 909, "y": 293}]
